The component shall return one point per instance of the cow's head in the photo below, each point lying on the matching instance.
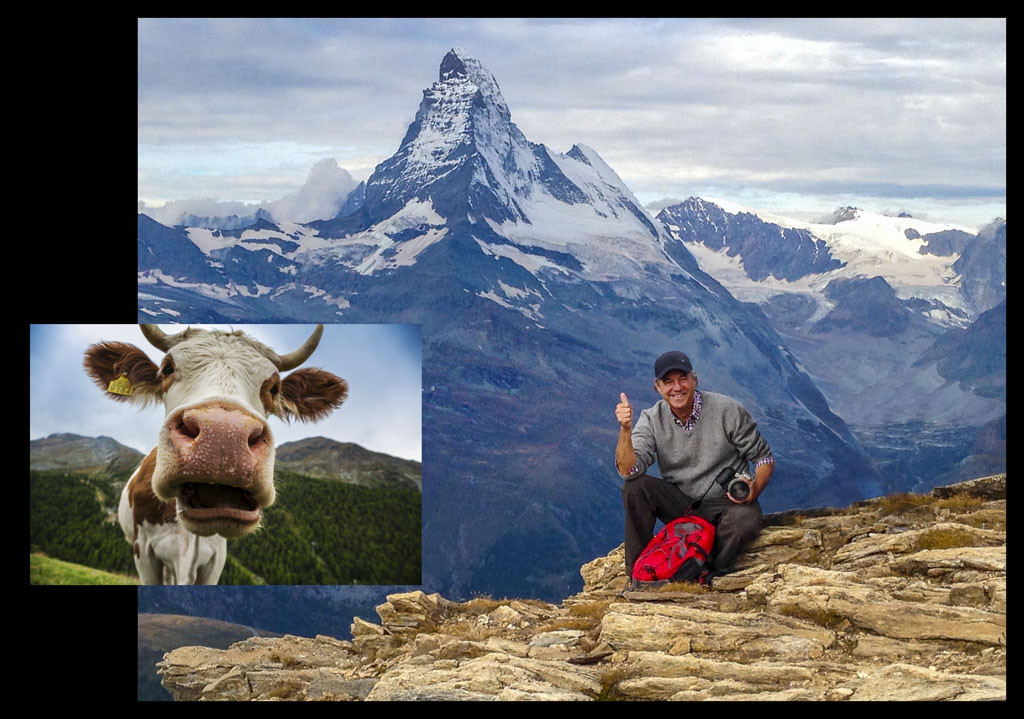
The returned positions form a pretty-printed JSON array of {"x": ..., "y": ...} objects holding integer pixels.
[{"x": 215, "y": 451}]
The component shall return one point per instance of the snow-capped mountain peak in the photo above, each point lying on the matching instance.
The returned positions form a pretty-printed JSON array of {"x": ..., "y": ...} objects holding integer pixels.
[
  {"x": 840, "y": 214},
  {"x": 459, "y": 67},
  {"x": 461, "y": 123},
  {"x": 463, "y": 154}
]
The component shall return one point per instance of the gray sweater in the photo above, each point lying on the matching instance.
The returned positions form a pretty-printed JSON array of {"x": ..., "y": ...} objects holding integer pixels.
[{"x": 725, "y": 435}]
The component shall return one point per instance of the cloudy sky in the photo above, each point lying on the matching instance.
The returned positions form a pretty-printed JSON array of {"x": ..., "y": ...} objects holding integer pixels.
[
  {"x": 788, "y": 115},
  {"x": 382, "y": 364}
]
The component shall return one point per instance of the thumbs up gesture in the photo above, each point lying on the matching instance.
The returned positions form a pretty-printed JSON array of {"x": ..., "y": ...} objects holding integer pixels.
[{"x": 624, "y": 412}]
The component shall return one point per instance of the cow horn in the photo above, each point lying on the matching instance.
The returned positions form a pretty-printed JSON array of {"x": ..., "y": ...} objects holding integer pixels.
[
  {"x": 157, "y": 337},
  {"x": 294, "y": 359}
]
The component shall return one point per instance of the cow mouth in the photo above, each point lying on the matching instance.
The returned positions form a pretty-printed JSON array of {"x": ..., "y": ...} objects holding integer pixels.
[{"x": 203, "y": 502}]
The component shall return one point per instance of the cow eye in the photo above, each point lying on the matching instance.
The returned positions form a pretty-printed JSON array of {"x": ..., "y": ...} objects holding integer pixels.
[
  {"x": 274, "y": 389},
  {"x": 167, "y": 370}
]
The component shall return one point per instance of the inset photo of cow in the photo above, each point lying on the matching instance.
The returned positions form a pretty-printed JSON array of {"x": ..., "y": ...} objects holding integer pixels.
[{"x": 215, "y": 454}]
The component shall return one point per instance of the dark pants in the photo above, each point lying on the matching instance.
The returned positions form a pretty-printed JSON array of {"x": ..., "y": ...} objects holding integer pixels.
[{"x": 647, "y": 499}]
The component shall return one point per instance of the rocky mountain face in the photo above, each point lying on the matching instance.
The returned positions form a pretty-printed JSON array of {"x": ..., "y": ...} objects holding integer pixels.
[
  {"x": 982, "y": 267},
  {"x": 916, "y": 394},
  {"x": 766, "y": 249},
  {"x": 862, "y": 305},
  {"x": 974, "y": 357},
  {"x": 900, "y": 597},
  {"x": 543, "y": 291},
  {"x": 348, "y": 462},
  {"x": 943, "y": 242},
  {"x": 74, "y": 453}
]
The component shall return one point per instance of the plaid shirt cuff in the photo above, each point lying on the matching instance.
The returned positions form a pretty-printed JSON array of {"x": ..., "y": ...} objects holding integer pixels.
[
  {"x": 631, "y": 472},
  {"x": 767, "y": 459}
]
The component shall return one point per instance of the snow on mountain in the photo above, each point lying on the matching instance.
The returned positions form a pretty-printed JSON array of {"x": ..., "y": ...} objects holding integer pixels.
[
  {"x": 890, "y": 247},
  {"x": 284, "y": 238},
  {"x": 388, "y": 251},
  {"x": 748, "y": 252},
  {"x": 603, "y": 225},
  {"x": 863, "y": 244},
  {"x": 380, "y": 247},
  {"x": 890, "y": 244}
]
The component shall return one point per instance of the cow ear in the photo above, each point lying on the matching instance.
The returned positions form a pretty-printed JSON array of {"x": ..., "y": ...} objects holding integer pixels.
[
  {"x": 108, "y": 362},
  {"x": 310, "y": 394}
]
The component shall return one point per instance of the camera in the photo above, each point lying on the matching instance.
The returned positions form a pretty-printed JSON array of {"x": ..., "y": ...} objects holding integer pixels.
[{"x": 736, "y": 484}]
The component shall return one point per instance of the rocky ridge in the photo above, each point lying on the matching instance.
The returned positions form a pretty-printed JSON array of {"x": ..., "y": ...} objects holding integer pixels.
[
  {"x": 898, "y": 597},
  {"x": 74, "y": 453},
  {"x": 348, "y": 462}
]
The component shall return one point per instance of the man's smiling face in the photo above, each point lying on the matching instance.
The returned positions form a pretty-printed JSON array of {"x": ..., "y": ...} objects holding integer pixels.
[{"x": 676, "y": 388}]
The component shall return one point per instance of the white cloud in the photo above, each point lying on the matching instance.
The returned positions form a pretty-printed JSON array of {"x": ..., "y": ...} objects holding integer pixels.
[
  {"x": 319, "y": 199},
  {"x": 325, "y": 190}
]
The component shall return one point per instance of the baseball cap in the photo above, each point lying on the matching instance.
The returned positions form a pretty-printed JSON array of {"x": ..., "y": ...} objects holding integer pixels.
[{"x": 670, "y": 361}]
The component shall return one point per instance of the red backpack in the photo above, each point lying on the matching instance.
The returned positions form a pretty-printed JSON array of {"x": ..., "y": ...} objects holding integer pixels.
[{"x": 678, "y": 553}]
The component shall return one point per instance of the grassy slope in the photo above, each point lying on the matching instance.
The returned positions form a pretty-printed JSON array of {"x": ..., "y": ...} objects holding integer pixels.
[{"x": 45, "y": 570}]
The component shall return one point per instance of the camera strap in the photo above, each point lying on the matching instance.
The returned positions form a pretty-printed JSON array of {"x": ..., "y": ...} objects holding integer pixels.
[{"x": 695, "y": 504}]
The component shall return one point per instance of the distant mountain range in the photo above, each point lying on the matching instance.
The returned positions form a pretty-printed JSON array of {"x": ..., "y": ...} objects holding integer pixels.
[
  {"x": 544, "y": 290},
  {"x": 75, "y": 453},
  {"x": 314, "y": 457},
  {"x": 348, "y": 462}
]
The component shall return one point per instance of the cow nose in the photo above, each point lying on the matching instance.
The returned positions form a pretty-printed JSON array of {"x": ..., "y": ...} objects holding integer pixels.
[
  {"x": 221, "y": 425},
  {"x": 220, "y": 444}
]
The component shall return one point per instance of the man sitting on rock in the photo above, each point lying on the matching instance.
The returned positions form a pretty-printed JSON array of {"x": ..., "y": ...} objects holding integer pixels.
[{"x": 695, "y": 435}]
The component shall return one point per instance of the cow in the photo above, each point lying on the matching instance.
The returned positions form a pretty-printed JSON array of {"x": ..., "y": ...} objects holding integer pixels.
[{"x": 211, "y": 474}]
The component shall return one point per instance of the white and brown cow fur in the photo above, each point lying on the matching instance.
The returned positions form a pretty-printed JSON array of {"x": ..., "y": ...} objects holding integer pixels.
[{"x": 212, "y": 471}]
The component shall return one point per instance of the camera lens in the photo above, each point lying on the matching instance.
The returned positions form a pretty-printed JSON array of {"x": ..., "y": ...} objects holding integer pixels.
[{"x": 739, "y": 489}]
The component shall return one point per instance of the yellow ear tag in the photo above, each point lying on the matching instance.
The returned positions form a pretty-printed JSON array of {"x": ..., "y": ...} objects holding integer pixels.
[{"x": 121, "y": 385}]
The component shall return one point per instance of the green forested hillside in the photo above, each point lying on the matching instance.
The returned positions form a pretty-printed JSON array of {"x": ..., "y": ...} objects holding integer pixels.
[
  {"x": 69, "y": 519},
  {"x": 318, "y": 532},
  {"x": 321, "y": 531}
]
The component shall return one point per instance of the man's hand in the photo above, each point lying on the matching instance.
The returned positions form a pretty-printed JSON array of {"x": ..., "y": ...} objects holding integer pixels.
[
  {"x": 625, "y": 457},
  {"x": 624, "y": 412}
]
